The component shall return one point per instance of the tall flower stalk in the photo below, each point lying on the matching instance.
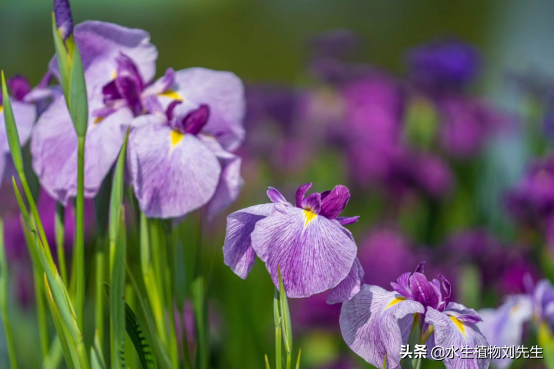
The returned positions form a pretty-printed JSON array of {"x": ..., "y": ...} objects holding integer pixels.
[{"x": 72, "y": 77}]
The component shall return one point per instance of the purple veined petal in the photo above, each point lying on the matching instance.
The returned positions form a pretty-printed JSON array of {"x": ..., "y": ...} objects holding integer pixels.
[
  {"x": 100, "y": 43},
  {"x": 111, "y": 92},
  {"x": 172, "y": 174},
  {"x": 376, "y": 323},
  {"x": 126, "y": 67},
  {"x": 448, "y": 292},
  {"x": 333, "y": 204},
  {"x": 19, "y": 87},
  {"x": 129, "y": 91},
  {"x": 223, "y": 92},
  {"x": 347, "y": 220},
  {"x": 64, "y": 20},
  {"x": 504, "y": 325},
  {"x": 312, "y": 203},
  {"x": 25, "y": 115},
  {"x": 275, "y": 195},
  {"x": 238, "y": 253},
  {"x": 349, "y": 287},
  {"x": 301, "y": 193},
  {"x": 402, "y": 285},
  {"x": 421, "y": 267},
  {"x": 54, "y": 150},
  {"x": 423, "y": 291},
  {"x": 450, "y": 332},
  {"x": 230, "y": 181},
  {"x": 313, "y": 253},
  {"x": 162, "y": 84},
  {"x": 153, "y": 105}
]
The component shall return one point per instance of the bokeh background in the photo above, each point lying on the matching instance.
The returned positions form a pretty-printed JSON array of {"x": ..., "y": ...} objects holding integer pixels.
[{"x": 456, "y": 173}]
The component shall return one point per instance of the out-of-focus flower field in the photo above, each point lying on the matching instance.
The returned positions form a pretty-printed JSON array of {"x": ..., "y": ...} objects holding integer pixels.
[{"x": 438, "y": 120}]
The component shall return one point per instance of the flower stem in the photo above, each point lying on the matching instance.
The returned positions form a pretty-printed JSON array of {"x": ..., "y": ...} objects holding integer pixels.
[
  {"x": 100, "y": 293},
  {"x": 4, "y": 298},
  {"x": 80, "y": 234},
  {"x": 199, "y": 305}
]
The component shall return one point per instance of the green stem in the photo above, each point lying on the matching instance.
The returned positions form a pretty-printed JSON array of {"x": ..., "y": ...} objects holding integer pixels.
[
  {"x": 278, "y": 340},
  {"x": 169, "y": 278},
  {"x": 60, "y": 240},
  {"x": 4, "y": 298},
  {"x": 100, "y": 293},
  {"x": 80, "y": 234},
  {"x": 278, "y": 329},
  {"x": 199, "y": 305}
]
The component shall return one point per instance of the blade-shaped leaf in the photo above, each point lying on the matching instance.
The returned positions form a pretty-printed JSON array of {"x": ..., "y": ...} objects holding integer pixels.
[
  {"x": 11, "y": 128},
  {"x": 140, "y": 339}
]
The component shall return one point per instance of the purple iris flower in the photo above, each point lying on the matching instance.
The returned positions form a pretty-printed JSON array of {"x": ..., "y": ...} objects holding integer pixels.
[
  {"x": 376, "y": 322},
  {"x": 64, "y": 20},
  {"x": 443, "y": 64},
  {"x": 504, "y": 326},
  {"x": 180, "y": 158},
  {"x": 109, "y": 52},
  {"x": 531, "y": 202},
  {"x": 307, "y": 242},
  {"x": 24, "y": 114}
]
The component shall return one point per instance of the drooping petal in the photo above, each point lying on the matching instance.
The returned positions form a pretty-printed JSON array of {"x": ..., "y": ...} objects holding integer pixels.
[
  {"x": 25, "y": 115},
  {"x": 503, "y": 326},
  {"x": 348, "y": 220},
  {"x": 230, "y": 181},
  {"x": 313, "y": 253},
  {"x": 402, "y": 285},
  {"x": 275, "y": 195},
  {"x": 100, "y": 43},
  {"x": 333, "y": 204},
  {"x": 173, "y": 174},
  {"x": 452, "y": 332},
  {"x": 223, "y": 92},
  {"x": 238, "y": 253},
  {"x": 301, "y": 192},
  {"x": 349, "y": 287},
  {"x": 54, "y": 150},
  {"x": 376, "y": 323}
]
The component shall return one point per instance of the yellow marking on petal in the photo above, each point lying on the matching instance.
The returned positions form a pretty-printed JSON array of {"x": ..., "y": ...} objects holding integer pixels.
[
  {"x": 176, "y": 138},
  {"x": 459, "y": 324},
  {"x": 395, "y": 301},
  {"x": 172, "y": 95},
  {"x": 98, "y": 119},
  {"x": 1, "y": 108},
  {"x": 514, "y": 309},
  {"x": 113, "y": 75},
  {"x": 309, "y": 216}
]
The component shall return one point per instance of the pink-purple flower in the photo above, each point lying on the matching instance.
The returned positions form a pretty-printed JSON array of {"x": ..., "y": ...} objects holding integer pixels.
[
  {"x": 376, "y": 322},
  {"x": 307, "y": 242}
]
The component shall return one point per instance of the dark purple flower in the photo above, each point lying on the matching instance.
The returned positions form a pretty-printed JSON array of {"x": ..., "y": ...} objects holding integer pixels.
[
  {"x": 531, "y": 202},
  {"x": 307, "y": 242},
  {"x": 443, "y": 64},
  {"x": 64, "y": 20},
  {"x": 376, "y": 323}
]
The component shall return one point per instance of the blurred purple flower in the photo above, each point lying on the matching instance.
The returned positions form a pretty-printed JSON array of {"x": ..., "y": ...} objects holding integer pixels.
[
  {"x": 467, "y": 124},
  {"x": 307, "y": 242},
  {"x": 382, "y": 268},
  {"x": 376, "y": 323},
  {"x": 180, "y": 158},
  {"x": 531, "y": 202},
  {"x": 54, "y": 141},
  {"x": 443, "y": 64},
  {"x": 314, "y": 312}
]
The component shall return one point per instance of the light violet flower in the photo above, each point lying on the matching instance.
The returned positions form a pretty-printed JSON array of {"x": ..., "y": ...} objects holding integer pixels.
[
  {"x": 307, "y": 242},
  {"x": 504, "y": 326},
  {"x": 109, "y": 53},
  {"x": 180, "y": 158},
  {"x": 376, "y": 322}
]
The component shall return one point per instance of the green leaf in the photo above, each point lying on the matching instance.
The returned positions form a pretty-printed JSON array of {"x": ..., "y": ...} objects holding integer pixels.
[
  {"x": 546, "y": 342},
  {"x": 298, "y": 359},
  {"x": 285, "y": 314},
  {"x": 267, "y": 363},
  {"x": 118, "y": 247},
  {"x": 4, "y": 298},
  {"x": 78, "y": 103},
  {"x": 11, "y": 129},
  {"x": 97, "y": 360},
  {"x": 140, "y": 339}
]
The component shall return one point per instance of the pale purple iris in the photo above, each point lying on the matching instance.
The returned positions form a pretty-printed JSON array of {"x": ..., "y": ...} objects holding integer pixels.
[
  {"x": 107, "y": 51},
  {"x": 505, "y": 325},
  {"x": 443, "y": 64},
  {"x": 180, "y": 157},
  {"x": 307, "y": 242},
  {"x": 24, "y": 114},
  {"x": 376, "y": 322}
]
